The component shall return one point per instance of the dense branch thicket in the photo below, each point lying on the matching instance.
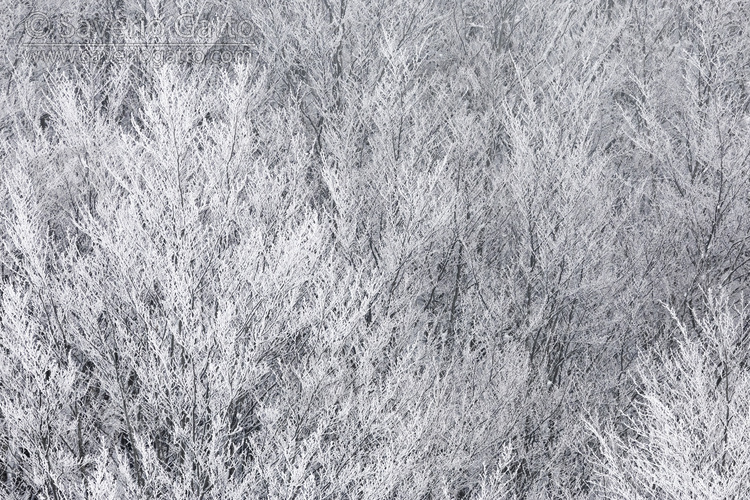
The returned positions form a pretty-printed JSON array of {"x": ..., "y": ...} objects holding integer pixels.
[{"x": 419, "y": 249}]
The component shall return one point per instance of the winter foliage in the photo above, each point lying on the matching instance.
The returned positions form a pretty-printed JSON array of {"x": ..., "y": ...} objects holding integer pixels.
[{"x": 420, "y": 249}]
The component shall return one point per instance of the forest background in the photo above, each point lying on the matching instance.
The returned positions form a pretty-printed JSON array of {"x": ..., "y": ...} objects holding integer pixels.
[{"x": 420, "y": 249}]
